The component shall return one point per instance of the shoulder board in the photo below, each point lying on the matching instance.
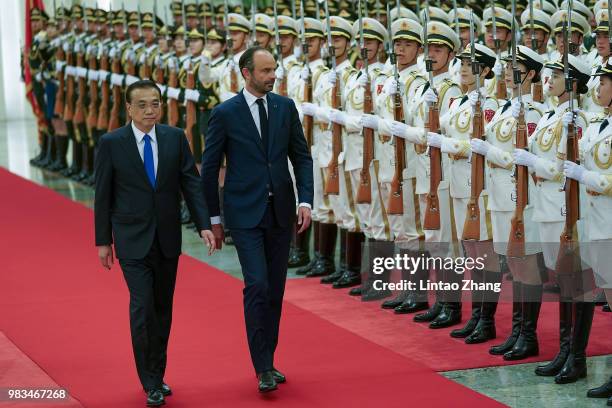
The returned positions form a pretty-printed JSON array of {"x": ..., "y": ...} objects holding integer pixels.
[
  {"x": 534, "y": 108},
  {"x": 597, "y": 119}
]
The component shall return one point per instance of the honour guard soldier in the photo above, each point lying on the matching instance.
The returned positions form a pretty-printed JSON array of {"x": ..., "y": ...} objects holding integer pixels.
[
  {"x": 231, "y": 79},
  {"x": 498, "y": 26},
  {"x": 463, "y": 21},
  {"x": 288, "y": 66},
  {"x": 536, "y": 29},
  {"x": 602, "y": 49},
  {"x": 264, "y": 30},
  {"x": 498, "y": 149}
]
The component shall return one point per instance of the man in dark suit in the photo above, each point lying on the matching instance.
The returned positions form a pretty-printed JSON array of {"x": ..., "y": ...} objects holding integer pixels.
[
  {"x": 257, "y": 131},
  {"x": 141, "y": 170}
]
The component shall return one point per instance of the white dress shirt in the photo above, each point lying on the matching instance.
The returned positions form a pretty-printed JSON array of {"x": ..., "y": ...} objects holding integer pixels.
[
  {"x": 140, "y": 143},
  {"x": 251, "y": 101}
]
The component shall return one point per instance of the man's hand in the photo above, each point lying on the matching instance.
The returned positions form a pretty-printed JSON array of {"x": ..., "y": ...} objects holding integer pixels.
[
  {"x": 105, "y": 253},
  {"x": 218, "y": 235},
  {"x": 304, "y": 218},
  {"x": 209, "y": 240}
]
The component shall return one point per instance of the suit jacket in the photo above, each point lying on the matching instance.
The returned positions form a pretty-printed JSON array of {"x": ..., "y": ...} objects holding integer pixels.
[
  {"x": 232, "y": 133},
  {"x": 130, "y": 209}
]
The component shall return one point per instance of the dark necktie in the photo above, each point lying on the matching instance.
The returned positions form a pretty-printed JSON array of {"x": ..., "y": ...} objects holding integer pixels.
[
  {"x": 148, "y": 160},
  {"x": 603, "y": 125},
  {"x": 263, "y": 123}
]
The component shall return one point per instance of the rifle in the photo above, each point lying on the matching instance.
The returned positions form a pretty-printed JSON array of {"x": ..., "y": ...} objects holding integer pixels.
[
  {"x": 173, "y": 109},
  {"x": 431, "y": 219},
  {"x": 58, "y": 109},
  {"x": 516, "y": 241},
  {"x": 333, "y": 178},
  {"x": 92, "y": 114},
  {"x": 68, "y": 114},
  {"x": 396, "y": 198},
  {"x": 308, "y": 120},
  {"x": 190, "y": 108},
  {"x": 609, "y": 31},
  {"x": 568, "y": 259},
  {"x": 113, "y": 122},
  {"x": 230, "y": 46},
  {"x": 501, "y": 91},
  {"x": 538, "y": 93},
  {"x": 79, "y": 109},
  {"x": 364, "y": 192},
  {"x": 471, "y": 225},
  {"x": 254, "y": 42},
  {"x": 102, "y": 123},
  {"x": 282, "y": 88}
]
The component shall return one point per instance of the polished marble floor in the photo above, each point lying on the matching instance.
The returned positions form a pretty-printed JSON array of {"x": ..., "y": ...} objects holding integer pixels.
[{"x": 515, "y": 386}]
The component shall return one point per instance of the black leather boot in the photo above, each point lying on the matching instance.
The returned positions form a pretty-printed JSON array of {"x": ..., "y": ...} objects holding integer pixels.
[
  {"x": 333, "y": 277},
  {"x": 82, "y": 174},
  {"x": 603, "y": 391},
  {"x": 450, "y": 314},
  {"x": 401, "y": 296},
  {"x": 76, "y": 151},
  {"x": 317, "y": 255},
  {"x": 527, "y": 343},
  {"x": 575, "y": 366},
  {"x": 374, "y": 286},
  {"x": 51, "y": 152},
  {"x": 418, "y": 301},
  {"x": 517, "y": 317},
  {"x": 485, "y": 329},
  {"x": 300, "y": 255},
  {"x": 327, "y": 246},
  {"x": 477, "y": 277},
  {"x": 61, "y": 143},
  {"x": 36, "y": 160},
  {"x": 565, "y": 332},
  {"x": 352, "y": 274}
]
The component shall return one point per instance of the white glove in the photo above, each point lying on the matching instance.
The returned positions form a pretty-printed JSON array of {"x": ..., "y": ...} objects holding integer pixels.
[
  {"x": 434, "y": 139},
  {"x": 112, "y": 53},
  {"x": 498, "y": 68},
  {"x": 430, "y": 96},
  {"x": 130, "y": 79},
  {"x": 309, "y": 109},
  {"x": 297, "y": 51},
  {"x": 92, "y": 75},
  {"x": 192, "y": 95},
  {"x": 399, "y": 129},
  {"x": 102, "y": 75},
  {"x": 338, "y": 116},
  {"x": 391, "y": 88},
  {"x": 524, "y": 158},
  {"x": 117, "y": 79},
  {"x": 480, "y": 146},
  {"x": 142, "y": 58},
  {"x": 332, "y": 77},
  {"x": 305, "y": 73},
  {"x": 173, "y": 93},
  {"x": 131, "y": 56},
  {"x": 187, "y": 64},
  {"x": 567, "y": 118},
  {"x": 38, "y": 77},
  {"x": 69, "y": 71},
  {"x": 59, "y": 65},
  {"x": 91, "y": 49},
  {"x": 574, "y": 171},
  {"x": 157, "y": 61},
  {"x": 77, "y": 47},
  {"x": 473, "y": 98},
  {"x": 56, "y": 42},
  {"x": 369, "y": 121},
  {"x": 516, "y": 108},
  {"x": 205, "y": 60},
  {"x": 81, "y": 72},
  {"x": 66, "y": 47},
  {"x": 280, "y": 73},
  {"x": 172, "y": 64},
  {"x": 362, "y": 81},
  {"x": 162, "y": 88}
]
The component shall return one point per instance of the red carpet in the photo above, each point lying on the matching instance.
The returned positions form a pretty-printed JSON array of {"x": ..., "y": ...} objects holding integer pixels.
[
  {"x": 70, "y": 317},
  {"x": 436, "y": 348}
]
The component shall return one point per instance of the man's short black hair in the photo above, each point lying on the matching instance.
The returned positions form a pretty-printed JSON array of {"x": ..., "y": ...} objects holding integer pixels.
[
  {"x": 142, "y": 84},
  {"x": 246, "y": 59}
]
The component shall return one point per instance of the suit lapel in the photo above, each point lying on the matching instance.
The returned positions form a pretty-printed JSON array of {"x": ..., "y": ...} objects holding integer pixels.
[
  {"x": 245, "y": 112},
  {"x": 129, "y": 144},
  {"x": 162, "y": 154}
]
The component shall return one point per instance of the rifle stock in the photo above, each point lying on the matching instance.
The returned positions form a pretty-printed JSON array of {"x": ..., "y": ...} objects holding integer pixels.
[
  {"x": 79, "y": 109},
  {"x": 471, "y": 226},
  {"x": 333, "y": 178},
  {"x": 69, "y": 107},
  {"x": 102, "y": 123},
  {"x": 516, "y": 241},
  {"x": 501, "y": 90},
  {"x": 113, "y": 121},
  {"x": 538, "y": 92},
  {"x": 190, "y": 110},
  {"x": 308, "y": 120},
  {"x": 58, "y": 109},
  {"x": 364, "y": 192},
  {"x": 173, "y": 110},
  {"x": 431, "y": 219},
  {"x": 92, "y": 114},
  {"x": 159, "y": 78},
  {"x": 396, "y": 198}
]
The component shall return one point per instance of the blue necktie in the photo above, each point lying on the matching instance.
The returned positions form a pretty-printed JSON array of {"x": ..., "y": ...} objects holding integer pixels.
[{"x": 148, "y": 160}]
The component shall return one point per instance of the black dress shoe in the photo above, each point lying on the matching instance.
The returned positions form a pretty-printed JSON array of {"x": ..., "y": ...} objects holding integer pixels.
[
  {"x": 166, "y": 390},
  {"x": 450, "y": 315},
  {"x": 155, "y": 398},
  {"x": 609, "y": 403},
  {"x": 356, "y": 291},
  {"x": 329, "y": 279},
  {"x": 429, "y": 315},
  {"x": 373, "y": 295},
  {"x": 604, "y": 391},
  {"x": 396, "y": 301},
  {"x": 347, "y": 280},
  {"x": 278, "y": 376},
  {"x": 267, "y": 382},
  {"x": 411, "y": 306}
]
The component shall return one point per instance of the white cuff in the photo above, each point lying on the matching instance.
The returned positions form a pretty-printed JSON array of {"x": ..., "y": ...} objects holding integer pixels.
[
  {"x": 307, "y": 205},
  {"x": 215, "y": 220}
]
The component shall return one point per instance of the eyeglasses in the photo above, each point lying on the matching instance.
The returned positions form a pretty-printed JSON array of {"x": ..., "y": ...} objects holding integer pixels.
[{"x": 155, "y": 105}]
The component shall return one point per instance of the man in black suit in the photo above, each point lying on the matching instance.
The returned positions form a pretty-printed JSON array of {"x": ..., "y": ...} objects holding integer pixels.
[
  {"x": 141, "y": 170},
  {"x": 257, "y": 131}
]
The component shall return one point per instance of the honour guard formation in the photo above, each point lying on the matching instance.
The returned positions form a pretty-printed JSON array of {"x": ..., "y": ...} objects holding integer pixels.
[{"x": 438, "y": 130}]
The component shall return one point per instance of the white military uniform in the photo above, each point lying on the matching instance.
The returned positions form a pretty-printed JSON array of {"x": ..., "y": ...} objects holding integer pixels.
[{"x": 501, "y": 186}]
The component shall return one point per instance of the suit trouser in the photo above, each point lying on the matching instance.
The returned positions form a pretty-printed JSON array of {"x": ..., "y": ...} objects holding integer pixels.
[
  {"x": 151, "y": 282},
  {"x": 263, "y": 252}
]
